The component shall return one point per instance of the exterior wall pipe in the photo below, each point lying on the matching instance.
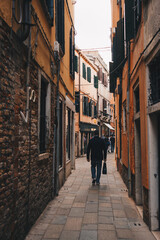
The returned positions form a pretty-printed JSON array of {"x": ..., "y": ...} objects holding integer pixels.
[
  {"x": 25, "y": 118},
  {"x": 128, "y": 139}
]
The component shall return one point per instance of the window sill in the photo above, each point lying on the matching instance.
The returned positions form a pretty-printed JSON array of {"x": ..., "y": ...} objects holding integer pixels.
[
  {"x": 68, "y": 161},
  {"x": 43, "y": 156}
]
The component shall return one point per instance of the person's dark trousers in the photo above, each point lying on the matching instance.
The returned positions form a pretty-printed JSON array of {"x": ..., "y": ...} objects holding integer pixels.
[
  {"x": 112, "y": 147},
  {"x": 96, "y": 170}
]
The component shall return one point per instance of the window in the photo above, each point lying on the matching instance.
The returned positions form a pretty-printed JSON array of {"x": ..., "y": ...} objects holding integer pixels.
[
  {"x": 154, "y": 75},
  {"x": 95, "y": 110},
  {"x": 84, "y": 70},
  {"x": 95, "y": 81},
  {"x": 77, "y": 100},
  {"x": 76, "y": 63},
  {"x": 44, "y": 115},
  {"x": 72, "y": 53},
  {"x": 100, "y": 74},
  {"x": 136, "y": 94},
  {"x": 104, "y": 107},
  {"x": 48, "y": 7},
  {"x": 124, "y": 117},
  {"x": 60, "y": 33},
  {"x": 137, "y": 15},
  {"x": 85, "y": 106},
  {"x": 90, "y": 108},
  {"x": 88, "y": 74}
]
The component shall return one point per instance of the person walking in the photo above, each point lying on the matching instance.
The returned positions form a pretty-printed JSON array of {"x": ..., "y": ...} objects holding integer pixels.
[
  {"x": 97, "y": 148},
  {"x": 112, "y": 139}
]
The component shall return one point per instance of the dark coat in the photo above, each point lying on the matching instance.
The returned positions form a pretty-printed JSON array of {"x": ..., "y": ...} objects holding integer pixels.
[{"x": 98, "y": 150}]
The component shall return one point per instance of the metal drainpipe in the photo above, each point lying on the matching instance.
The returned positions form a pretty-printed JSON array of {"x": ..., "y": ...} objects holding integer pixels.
[
  {"x": 58, "y": 120},
  {"x": 128, "y": 100},
  {"x": 25, "y": 118}
]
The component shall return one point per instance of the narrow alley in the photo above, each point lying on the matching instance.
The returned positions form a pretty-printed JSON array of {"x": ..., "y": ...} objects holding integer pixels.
[{"x": 82, "y": 211}]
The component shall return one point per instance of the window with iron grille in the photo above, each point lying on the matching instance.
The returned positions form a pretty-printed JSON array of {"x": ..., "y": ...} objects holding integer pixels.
[
  {"x": 43, "y": 117},
  {"x": 154, "y": 75}
]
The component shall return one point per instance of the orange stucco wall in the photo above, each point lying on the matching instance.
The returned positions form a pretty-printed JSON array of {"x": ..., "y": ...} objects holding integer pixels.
[{"x": 137, "y": 47}]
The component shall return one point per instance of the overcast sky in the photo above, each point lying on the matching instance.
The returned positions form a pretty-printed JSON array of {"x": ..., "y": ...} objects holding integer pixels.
[{"x": 93, "y": 23}]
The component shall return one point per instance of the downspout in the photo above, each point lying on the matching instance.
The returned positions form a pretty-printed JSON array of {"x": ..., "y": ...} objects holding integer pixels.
[
  {"x": 58, "y": 137},
  {"x": 128, "y": 139}
]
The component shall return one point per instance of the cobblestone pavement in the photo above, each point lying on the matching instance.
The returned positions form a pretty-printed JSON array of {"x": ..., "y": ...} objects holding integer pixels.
[{"x": 86, "y": 212}]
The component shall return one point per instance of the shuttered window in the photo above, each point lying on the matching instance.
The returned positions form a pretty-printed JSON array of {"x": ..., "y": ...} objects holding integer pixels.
[
  {"x": 90, "y": 108},
  {"x": 95, "y": 111},
  {"x": 85, "y": 106},
  {"x": 112, "y": 77},
  {"x": 84, "y": 70},
  {"x": 137, "y": 15},
  {"x": 95, "y": 81},
  {"x": 50, "y": 8},
  {"x": 72, "y": 54},
  {"x": 88, "y": 74},
  {"x": 60, "y": 24},
  {"x": 133, "y": 11},
  {"x": 76, "y": 64},
  {"x": 77, "y": 101}
]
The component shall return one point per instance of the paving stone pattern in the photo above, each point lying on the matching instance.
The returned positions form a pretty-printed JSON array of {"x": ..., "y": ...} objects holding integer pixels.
[{"x": 85, "y": 212}]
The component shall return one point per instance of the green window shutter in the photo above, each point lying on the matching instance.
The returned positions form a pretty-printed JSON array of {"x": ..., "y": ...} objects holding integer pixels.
[
  {"x": 76, "y": 64},
  {"x": 95, "y": 81},
  {"x": 84, "y": 71},
  {"x": 83, "y": 100},
  {"x": 90, "y": 108},
  {"x": 88, "y": 74}
]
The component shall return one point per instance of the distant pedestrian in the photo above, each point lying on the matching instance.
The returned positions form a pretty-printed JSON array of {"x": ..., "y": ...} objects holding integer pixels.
[
  {"x": 112, "y": 139},
  {"x": 97, "y": 148}
]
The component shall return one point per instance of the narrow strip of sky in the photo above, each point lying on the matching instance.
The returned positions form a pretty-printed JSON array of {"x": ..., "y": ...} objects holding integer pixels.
[{"x": 93, "y": 23}]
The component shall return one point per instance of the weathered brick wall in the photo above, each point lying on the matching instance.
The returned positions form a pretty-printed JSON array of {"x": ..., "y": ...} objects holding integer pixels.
[{"x": 25, "y": 182}]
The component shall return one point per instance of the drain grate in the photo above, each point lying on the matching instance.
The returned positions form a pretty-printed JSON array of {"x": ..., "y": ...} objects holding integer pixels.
[
  {"x": 124, "y": 190},
  {"x": 137, "y": 225}
]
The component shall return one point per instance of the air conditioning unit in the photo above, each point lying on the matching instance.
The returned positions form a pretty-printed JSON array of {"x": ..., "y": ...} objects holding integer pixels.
[{"x": 114, "y": 30}]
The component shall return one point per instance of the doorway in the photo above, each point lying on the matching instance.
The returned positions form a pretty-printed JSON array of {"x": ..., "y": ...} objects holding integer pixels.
[{"x": 138, "y": 174}]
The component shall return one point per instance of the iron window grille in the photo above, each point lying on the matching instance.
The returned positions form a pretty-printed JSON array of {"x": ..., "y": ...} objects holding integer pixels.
[{"x": 154, "y": 76}]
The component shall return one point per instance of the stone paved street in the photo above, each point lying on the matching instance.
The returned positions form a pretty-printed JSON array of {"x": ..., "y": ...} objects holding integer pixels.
[{"x": 86, "y": 212}]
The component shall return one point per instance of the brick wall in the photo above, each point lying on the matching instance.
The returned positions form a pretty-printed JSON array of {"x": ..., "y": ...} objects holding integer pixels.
[{"x": 25, "y": 181}]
